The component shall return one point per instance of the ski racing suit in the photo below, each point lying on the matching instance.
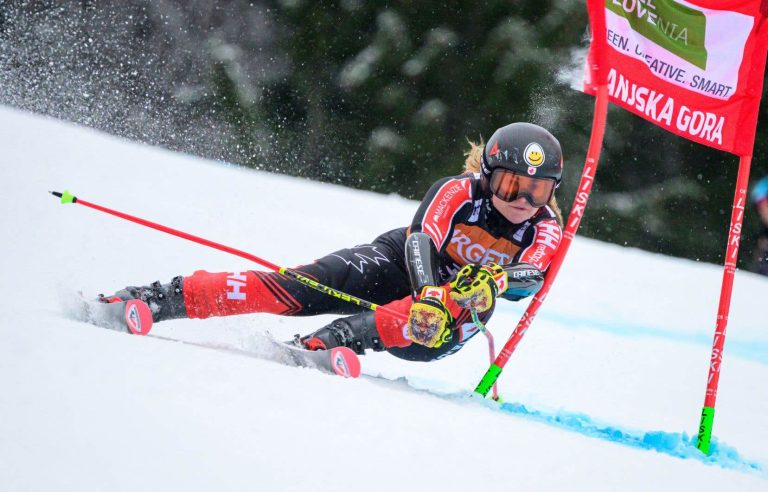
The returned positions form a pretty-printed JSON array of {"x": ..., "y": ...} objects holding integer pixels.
[{"x": 456, "y": 222}]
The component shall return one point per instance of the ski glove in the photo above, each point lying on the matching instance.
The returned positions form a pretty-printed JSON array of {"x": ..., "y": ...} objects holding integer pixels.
[
  {"x": 477, "y": 286},
  {"x": 429, "y": 319}
]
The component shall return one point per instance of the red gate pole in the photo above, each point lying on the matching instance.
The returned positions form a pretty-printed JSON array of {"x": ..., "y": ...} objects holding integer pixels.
[
  {"x": 598, "y": 80},
  {"x": 729, "y": 270},
  {"x": 574, "y": 219}
]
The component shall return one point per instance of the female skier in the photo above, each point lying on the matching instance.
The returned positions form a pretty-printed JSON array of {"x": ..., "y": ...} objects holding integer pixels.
[{"x": 489, "y": 232}]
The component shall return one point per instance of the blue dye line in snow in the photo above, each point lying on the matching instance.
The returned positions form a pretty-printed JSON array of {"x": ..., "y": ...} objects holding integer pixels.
[
  {"x": 677, "y": 444},
  {"x": 754, "y": 350}
]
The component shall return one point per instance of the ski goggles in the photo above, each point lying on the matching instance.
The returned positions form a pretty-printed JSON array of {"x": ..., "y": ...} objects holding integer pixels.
[{"x": 509, "y": 186}]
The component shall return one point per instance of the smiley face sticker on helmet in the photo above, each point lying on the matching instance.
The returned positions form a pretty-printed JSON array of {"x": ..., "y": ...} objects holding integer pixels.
[{"x": 534, "y": 154}]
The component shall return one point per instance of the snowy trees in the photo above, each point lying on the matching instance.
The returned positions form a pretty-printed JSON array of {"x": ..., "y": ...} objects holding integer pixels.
[{"x": 375, "y": 95}]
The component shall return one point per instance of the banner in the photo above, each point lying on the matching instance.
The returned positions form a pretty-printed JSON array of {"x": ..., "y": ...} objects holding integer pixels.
[{"x": 694, "y": 68}]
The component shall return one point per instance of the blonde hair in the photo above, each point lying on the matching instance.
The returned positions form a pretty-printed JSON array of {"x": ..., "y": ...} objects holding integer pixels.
[{"x": 474, "y": 156}]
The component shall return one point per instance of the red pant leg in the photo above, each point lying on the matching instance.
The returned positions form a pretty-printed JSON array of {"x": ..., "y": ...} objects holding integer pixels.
[
  {"x": 223, "y": 294},
  {"x": 394, "y": 331}
]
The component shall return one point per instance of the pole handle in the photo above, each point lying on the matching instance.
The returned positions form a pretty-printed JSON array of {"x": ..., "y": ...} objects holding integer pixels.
[{"x": 66, "y": 196}]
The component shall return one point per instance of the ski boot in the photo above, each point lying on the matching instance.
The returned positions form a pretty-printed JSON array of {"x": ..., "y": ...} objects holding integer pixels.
[
  {"x": 357, "y": 332},
  {"x": 165, "y": 301}
]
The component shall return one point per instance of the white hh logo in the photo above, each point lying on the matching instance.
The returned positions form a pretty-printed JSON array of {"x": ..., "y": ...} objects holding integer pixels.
[
  {"x": 547, "y": 240},
  {"x": 236, "y": 281}
]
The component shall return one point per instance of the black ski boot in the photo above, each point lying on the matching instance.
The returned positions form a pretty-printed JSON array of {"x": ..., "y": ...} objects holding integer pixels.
[
  {"x": 357, "y": 332},
  {"x": 165, "y": 301}
]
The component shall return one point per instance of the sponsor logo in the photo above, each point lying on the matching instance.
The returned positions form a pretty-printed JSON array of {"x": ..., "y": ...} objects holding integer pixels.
[
  {"x": 473, "y": 252},
  {"x": 662, "y": 109},
  {"x": 528, "y": 272},
  {"x": 340, "y": 364},
  {"x": 533, "y": 156},
  {"x": 699, "y": 50},
  {"x": 417, "y": 263},
  {"x": 735, "y": 234},
  {"x": 546, "y": 240},
  {"x": 582, "y": 196},
  {"x": 494, "y": 150},
  {"x": 549, "y": 235},
  {"x": 498, "y": 154},
  {"x": 236, "y": 281},
  {"x": 133, "y": 319},
  {"x": 446, "y": 198},
  {"x": 677, "y": 28}
]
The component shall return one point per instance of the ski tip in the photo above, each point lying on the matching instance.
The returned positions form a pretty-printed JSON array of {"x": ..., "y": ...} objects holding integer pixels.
[
  {"x": 138, "y": 317},
  {"x": 345, "y": 362}
]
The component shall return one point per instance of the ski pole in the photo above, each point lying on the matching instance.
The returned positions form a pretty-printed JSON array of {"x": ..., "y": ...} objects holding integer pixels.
[{"x": 67, "y": 197}]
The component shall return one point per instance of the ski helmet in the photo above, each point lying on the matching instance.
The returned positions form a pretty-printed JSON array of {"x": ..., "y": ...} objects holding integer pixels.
[{"x": 525, "y": 149}]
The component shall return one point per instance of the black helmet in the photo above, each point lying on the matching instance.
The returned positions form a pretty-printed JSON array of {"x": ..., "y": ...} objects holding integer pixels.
[{"x": 525, "y": 149}]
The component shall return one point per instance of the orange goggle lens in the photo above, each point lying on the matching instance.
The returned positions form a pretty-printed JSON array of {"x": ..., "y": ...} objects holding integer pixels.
[{"x": 508, "y": 186}]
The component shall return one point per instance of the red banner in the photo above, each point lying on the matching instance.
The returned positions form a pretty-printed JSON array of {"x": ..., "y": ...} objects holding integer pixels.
[{"x": 694, "y": 68}]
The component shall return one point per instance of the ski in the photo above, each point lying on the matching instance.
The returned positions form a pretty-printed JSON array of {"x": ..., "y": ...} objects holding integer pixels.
[
  {"x": 135, "y": 317},
  {"x": 132, "y": 316},
  {"x": 342, "y": 361}
]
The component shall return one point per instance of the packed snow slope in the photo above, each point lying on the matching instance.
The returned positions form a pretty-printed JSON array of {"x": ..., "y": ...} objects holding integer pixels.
[{"x": 604, "y": 392}]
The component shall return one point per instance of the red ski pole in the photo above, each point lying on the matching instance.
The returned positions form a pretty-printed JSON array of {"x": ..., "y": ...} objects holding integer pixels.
[{"x": 67, "y": 197}]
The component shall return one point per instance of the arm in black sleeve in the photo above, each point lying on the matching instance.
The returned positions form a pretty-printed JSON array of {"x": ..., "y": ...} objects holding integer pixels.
[
  {"x": 421, "y": 260},
  {"x": 447, "y": 201}
]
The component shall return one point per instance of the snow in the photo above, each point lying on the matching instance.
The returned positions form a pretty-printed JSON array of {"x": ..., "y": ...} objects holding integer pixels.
[{"x": 604, "y": 392}]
